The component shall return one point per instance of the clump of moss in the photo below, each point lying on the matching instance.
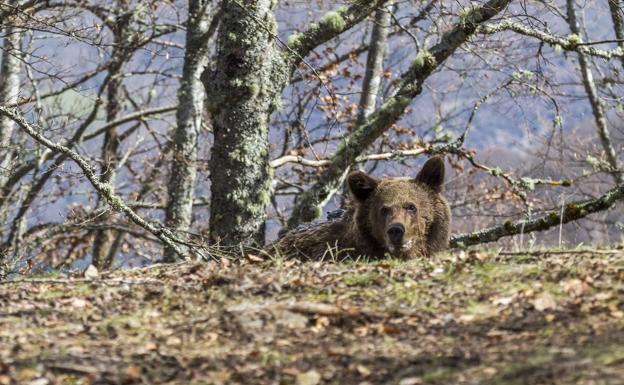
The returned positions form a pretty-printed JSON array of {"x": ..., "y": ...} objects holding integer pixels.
[
  {"x": 572, "y": 209},
  {"x": 294, "y": 40},
  {"x": 574, "y": 40},
  {"x": 508, "y": 225},
  {"x": 470, "y": 15},
  {"x": 254, "y": 90},
  {"x": 424, "y": 59},
  {"x": 333, "y": 20},
  {"x": 496, "y": 171}
]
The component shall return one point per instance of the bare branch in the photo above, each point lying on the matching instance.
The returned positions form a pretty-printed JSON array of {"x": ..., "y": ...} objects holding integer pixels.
[
  {"x": 571, "y": 212},
  {"x": 332, "y": 24},
  {"x": 570, "y": 43},
  {"x": 595, "y": 101},
  {"x": 397, "y": 154},
  {"x": 410, "y": 86},
  {"x": 128, "y": 118},
  {"x": 104, "y": 190}
]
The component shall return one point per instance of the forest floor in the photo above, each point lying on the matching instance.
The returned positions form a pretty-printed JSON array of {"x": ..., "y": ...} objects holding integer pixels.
[{"x": 482, "y": 317}]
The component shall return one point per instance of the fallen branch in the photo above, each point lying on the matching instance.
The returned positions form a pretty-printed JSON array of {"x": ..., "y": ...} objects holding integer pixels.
[
  {"x": 323, "y": 309},
  {"x": 571, "y": 212}
]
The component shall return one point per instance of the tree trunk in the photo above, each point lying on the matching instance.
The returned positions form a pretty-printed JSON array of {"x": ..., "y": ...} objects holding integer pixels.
[
  {"x": 374, "y": 63},
  {"x": 103, "y": 254},
  {"x": 189, "y": 115},
  {"x": 618, "y": 22},
  {"x": 372, "y": 77},
  {"x": 9, "y": 90},
  {"x": 595, "y": 101},
  {"x": 241, "y": 95},
  {"x": 251, "y": 72}
]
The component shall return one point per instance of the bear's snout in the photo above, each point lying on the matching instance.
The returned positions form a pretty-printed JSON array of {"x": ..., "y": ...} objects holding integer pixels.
[{"x": 396, "y": 231}]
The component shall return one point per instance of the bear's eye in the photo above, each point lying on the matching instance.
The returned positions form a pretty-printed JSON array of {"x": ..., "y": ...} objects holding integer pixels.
[
  {"x": 385, "y": 211},
  {"x": 411, "y": 208}
]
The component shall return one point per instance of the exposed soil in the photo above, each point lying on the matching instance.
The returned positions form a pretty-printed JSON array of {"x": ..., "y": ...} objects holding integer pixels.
[{"x": 465, "y": 318}]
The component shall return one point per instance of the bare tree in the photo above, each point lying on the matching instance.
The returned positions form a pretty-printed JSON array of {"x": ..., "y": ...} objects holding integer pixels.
[
  {"x": 122, "y": 23},
  {"x": 594, "y": 100}
]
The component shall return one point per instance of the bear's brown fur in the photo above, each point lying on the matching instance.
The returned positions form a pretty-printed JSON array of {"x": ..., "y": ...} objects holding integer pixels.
[{"x": 400, "y": 217}]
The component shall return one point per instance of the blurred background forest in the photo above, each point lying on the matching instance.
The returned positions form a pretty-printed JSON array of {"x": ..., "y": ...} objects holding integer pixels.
[{"x": 209, "y": 120}]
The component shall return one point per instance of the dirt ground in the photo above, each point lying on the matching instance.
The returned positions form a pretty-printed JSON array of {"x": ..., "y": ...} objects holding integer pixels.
[{"x": 464, "y": 318}]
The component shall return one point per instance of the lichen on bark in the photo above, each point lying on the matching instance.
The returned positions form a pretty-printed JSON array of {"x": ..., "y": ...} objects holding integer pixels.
[{"x": 242, "y": 89}]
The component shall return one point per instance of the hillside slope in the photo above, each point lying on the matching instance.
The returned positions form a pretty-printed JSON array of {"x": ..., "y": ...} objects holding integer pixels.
[{"x": 467, "y": 318}]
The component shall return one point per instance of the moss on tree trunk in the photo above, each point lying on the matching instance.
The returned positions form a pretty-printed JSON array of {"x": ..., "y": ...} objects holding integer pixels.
[{"x": 241, "y": 93}]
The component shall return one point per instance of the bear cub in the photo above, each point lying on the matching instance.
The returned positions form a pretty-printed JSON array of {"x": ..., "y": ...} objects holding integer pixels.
[{"x": 400, "y": 217}]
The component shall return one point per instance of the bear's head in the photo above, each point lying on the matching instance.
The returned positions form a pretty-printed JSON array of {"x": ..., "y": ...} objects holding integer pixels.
[{"x": 397, "y": 213}]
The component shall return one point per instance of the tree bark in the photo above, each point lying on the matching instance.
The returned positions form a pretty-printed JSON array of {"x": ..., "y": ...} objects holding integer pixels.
[
  {"x": 189, "y": 118},
  {"x": 242, "y": 92},
  {"x": 618, "y": 22},
  {"x": 374, "y": 64},
  {"x": 9, "y": 90}
]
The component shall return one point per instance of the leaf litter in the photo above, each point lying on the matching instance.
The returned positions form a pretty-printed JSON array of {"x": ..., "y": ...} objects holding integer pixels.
[{"x": 476, "y": 318}]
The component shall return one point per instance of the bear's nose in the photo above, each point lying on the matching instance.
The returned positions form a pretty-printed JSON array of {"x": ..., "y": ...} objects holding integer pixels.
[{"x": 396, "y": 232}]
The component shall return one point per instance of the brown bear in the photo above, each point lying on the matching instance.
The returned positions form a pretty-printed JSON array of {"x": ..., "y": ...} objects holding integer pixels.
[{"x": 399, "y": 217}]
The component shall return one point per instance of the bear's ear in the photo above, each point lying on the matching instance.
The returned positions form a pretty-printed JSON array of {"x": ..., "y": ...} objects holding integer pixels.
[
  {"x": 432, "y": 173},
  {"x": 361, "y": 185}
]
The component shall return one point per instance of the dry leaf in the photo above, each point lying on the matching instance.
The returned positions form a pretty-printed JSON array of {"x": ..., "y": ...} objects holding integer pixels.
[
  {"x": 133, "y": 372},
  {"x": 411, "y": 381},
  {"x": 544, "y": 301},
  {"x": 385, "y": 328},
  {"x": 91, "y": 272},
  {"x": 603, "y": 296},
  {"x": 78, "y": 303},
  {"x": 490, "y": 371},
  {"x": 363, "y": 370},
  {"x": 576, "y": 287},
  {"x": 173, "y": 341},
  {"x": 503, "y": 301},
  {"x": 311, "y": 377},
  {"x": 291, "y": 371},
  {"x": 254, "y": 258},
  {"x": 39, "y": 381}
]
